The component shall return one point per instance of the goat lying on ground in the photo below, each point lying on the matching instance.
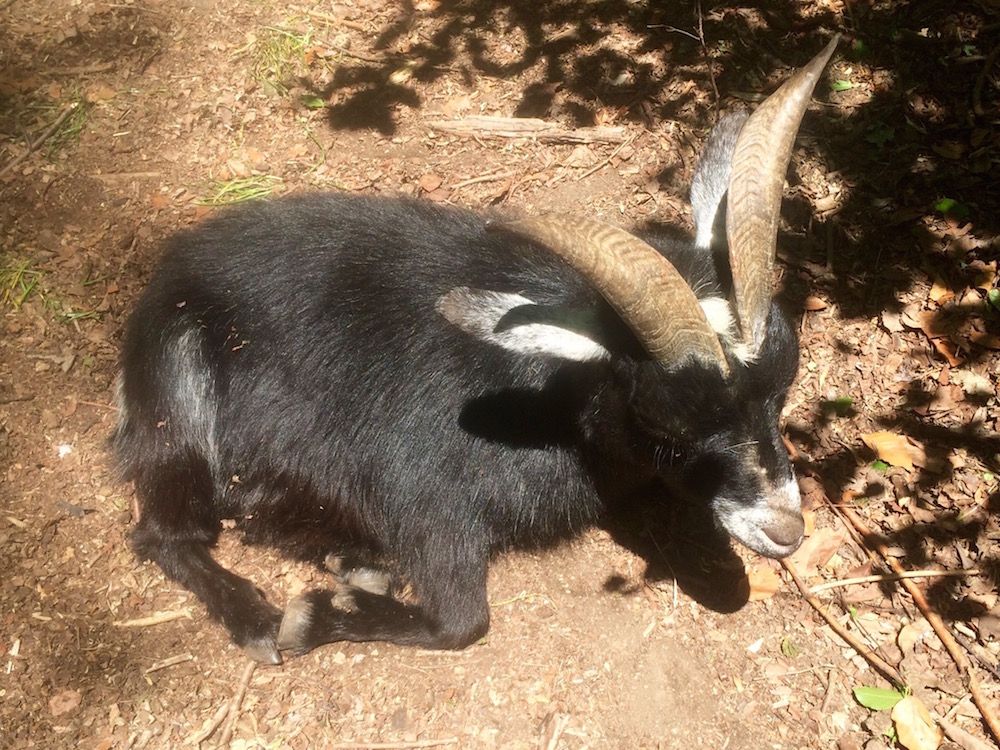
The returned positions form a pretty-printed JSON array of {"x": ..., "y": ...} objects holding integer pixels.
[{"x": 403, "y": 390}]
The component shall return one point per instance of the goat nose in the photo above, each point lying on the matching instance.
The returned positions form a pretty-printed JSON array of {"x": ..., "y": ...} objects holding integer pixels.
[{"x": 785, "y": 528}]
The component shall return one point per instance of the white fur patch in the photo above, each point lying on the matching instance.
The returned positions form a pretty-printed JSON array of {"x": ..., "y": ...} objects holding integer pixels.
[
  {"x": 192, "y": 401},
  {"x": 119, "y": 398},
  {"x": 478, "y": 312},
  {"x": 720, "y": 316}
]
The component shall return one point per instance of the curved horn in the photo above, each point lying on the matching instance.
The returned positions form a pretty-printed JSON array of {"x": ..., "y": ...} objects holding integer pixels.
[
  {"x": 760, "y": 159},
  {"x": 639, "y": 283}
]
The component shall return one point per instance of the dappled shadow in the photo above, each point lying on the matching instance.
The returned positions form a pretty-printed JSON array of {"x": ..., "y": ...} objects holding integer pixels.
[
  {"x": 927, "y": 528},
  {"x": 577, "y": 58},
  {"x": 904, "y": 119},
  {"x": 903, "y": 136},
  {"x": 679, "y": 542}
]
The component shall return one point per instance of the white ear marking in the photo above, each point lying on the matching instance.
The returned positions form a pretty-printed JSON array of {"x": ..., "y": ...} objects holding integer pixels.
[{"x": 477, "y": 312}]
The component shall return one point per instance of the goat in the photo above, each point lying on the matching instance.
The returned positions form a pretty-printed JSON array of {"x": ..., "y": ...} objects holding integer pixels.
[{"x": 402, "y": 390}]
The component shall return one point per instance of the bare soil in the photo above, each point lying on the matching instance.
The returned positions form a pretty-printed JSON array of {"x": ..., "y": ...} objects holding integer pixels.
[{"x": 638, "y": 635}]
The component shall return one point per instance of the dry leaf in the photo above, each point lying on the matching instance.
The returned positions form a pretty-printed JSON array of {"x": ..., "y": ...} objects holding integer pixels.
[
  {"x": 891, "y": 322},
  {"x": 940, "y": 292},
  {"x": 99, "y": 92},
  {"x": 985, "y": 274},
  {"x": 948, "y": 350},
  {"x": 949, "y": 149},
  {"x": 974, "y": 384},
  {"x": 64, "y": 701},
  {"x": 987, "y": 340},
  {"x": 910, "y": 635},
  {"x": 430, "y": 182},
  {"x": 894, "y": 449},
  {"x": 809, "y": 519},
  {"x": 764, "y": 582},
  {"x": 814, "y": 304},
  {"x": 816, "y": 551},
  {"x": 915, "y": 729}
]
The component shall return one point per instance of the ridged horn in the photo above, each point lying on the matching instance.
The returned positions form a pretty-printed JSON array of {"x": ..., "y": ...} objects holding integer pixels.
[
  {"x": 761, "y": 156},
  {"x": 637, "y": 281}
]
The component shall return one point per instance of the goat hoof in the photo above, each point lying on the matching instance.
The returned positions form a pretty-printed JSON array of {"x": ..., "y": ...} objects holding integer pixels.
[
  {"x": 334, "y": 564},
  {"x": 295, "y": 624},
  {"x": 263, "y": 650},
  {"x": 369, "y": 579}
]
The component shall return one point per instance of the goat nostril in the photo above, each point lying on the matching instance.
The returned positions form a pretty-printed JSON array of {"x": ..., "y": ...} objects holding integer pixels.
[{"x": 785, "y": 530}]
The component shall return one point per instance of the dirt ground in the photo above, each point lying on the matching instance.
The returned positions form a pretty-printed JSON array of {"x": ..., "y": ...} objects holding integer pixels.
[{"x": 123, "y": 121}]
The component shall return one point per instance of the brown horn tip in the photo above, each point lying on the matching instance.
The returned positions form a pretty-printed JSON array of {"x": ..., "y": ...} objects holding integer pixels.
[{"x": 760, "y": 159}]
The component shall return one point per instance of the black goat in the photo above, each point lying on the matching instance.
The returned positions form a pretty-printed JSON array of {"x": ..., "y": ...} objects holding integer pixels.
[{"x": 401, "y": 390}]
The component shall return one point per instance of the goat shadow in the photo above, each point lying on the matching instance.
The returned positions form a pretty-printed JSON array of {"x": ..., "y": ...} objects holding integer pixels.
[{"x": 678, "y": 540}]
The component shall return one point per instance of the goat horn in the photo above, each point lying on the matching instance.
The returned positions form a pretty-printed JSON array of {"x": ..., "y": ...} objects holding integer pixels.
[
  {"x": 761, "y": 156},
  {"x": 637, "y": 281}
]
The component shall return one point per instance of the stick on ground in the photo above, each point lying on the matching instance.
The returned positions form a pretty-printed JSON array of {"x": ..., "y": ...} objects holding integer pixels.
[
  {"x": 526, "y": 127},
  {"x": 234, "y": 707},
  {"x": 155, "y": 619},
  {"x": 884, "y": 668},
  {"x": 33, "y": 146},
  {"x": 895, "y": 577},
  {"x": 393, "y": 745}
]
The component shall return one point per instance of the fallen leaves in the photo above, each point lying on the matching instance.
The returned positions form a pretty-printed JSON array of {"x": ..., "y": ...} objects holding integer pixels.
[
  {"x": 764, "y": 581},
  {"x": 817, "y": 551},
  {"x": 915, "y": 729},
  {"x": 898, "y": 450}
]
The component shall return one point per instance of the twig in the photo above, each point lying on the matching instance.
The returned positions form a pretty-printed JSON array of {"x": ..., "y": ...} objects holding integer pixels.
[
  {"x": 32, "y": 147},
  {"x": 328, "y": 18},
  {"x": 885, "y": 669},
  {"x": 99, "y": 405},
  {"x": 172, "y": 661},
  {"x": 957, "y": 654},
  {"x": 482, "y": 178},
  {"x": 970, "y": 646},
  {"x": 895, "y": 577},
  {"x": 674, "y": 29},
  {"x": 977, "y": 91},
  {"x": 155, "y": 619},
  {"x": 392, "y": 745},
  {"x": 962, "y": 738},
  {"x": 77, "y": 70},
  {"x": 526, "y": 127},
  {"x": 605, "y": 162},
  {"x": 704, "y": 52},
  {"x": 237, "y": 702},
  {"x": 204, "y": 734},
  {"x": 379, "y": 60},
  {"x": 554, "y": 729}
]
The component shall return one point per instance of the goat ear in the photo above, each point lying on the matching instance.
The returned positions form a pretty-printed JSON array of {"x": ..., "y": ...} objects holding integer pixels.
[
  {"x": 711, "y": 178},
  {"x": 517, "y": 324}
]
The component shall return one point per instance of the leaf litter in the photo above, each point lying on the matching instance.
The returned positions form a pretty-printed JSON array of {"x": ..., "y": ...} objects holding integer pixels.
[{"x": 899, "y": 328}]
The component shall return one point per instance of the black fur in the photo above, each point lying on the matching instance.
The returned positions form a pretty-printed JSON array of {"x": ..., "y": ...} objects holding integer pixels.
[{"x": 286, "y": 367}]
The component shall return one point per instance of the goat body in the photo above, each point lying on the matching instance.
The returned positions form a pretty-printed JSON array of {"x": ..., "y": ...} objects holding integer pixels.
[{"x": 390, "y": 385}]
